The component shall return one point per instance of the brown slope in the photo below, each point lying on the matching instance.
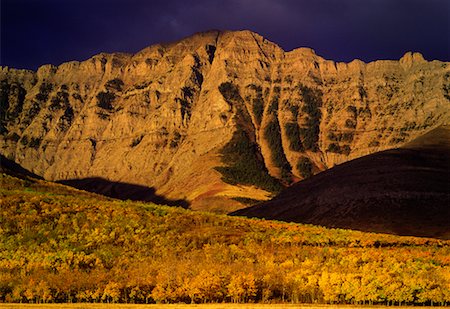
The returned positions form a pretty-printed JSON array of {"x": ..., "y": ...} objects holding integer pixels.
[{"x": 403, "y": 191}]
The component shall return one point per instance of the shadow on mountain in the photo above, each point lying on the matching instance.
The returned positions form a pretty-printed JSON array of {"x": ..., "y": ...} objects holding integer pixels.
[
  {"x": 122, "y": 191},
  {"x": 13, "y": 169},
  {"x": 404, "y": 191}
]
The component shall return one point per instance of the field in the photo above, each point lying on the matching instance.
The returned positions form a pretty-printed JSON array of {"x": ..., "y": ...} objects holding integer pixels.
[{"x": 64, "y": 245}]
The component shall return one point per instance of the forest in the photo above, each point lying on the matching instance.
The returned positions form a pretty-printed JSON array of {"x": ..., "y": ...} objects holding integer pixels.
[{"x": 59, "y": 244}]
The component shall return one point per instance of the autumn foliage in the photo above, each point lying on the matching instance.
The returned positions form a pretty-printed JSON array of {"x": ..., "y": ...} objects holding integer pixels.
[{"x": 63, "y": 245}]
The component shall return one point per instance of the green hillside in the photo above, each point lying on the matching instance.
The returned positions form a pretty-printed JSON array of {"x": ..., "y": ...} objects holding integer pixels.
[{"x": 63, "y": 245}]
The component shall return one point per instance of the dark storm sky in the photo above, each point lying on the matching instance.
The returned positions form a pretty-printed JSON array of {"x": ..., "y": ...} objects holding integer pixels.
[{"x": 36, "y": 32}]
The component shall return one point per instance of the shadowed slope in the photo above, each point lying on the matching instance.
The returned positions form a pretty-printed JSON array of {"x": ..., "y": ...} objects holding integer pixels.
[
  {"x": 13, "y": 169},
  {"x": 403, "y": 191},
  {"x": 118, "y": 190},
  {"x": 122, "y": 191}
]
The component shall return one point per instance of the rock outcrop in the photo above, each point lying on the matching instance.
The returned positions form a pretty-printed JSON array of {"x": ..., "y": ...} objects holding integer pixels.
[{"x": 215, "y": 119}]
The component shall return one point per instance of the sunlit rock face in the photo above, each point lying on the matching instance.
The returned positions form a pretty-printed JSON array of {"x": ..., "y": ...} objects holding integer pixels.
[{"x": 162, "y": 118}]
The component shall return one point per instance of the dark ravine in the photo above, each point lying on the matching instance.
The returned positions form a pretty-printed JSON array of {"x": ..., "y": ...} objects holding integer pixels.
[{"x": 404, "y": 191}]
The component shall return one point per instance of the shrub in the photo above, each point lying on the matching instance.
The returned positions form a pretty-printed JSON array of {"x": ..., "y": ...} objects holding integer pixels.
[
  {"x": 294, "y": 111},
  {"x": 12, "y": 97},
  {"x": 210, "y": 50},
  {"x": 4, "y": 92},
  {"x": 310, "y": 137},
  {"x": 114, "y": 84},
  {"x": 374, "y": 143},
  {"x": 136, "y": 141},
  {"x": 293, "y": 134},
  {"x": 176, "y": 140},
  {"x": 362, "y": 92},
  {"x": 273, "y": 136},
  {"x": 273, "y": 106},
  {"x": 142, "y": 85},
  {"x": 365, "y": 112},
  {"x": 312, "y": 99},
  {"x": 258, "y": 108},
  {"x": 340, "y": 137},
  {"x": 66, "y": 119},
  {"x": 304, "y": 166},
  {"x": 102, "y": 115},
  {"x": 188, "y": 92},
  {"x": 257, "y": 103},
  {"x": 244, "y": 164},
  {"x": 185, "y": 107},
  {"x": 230, "y": 93},
  {"x": 255, "y": 87},
  {"x": 44, "y": 91},
  {"x": 350, "y": 123},
  {"x": 352, "y": 110},
  {"x": 246, "y": 200},
  {"x": 77, "y": 96},
  {"x": 59, "y": 101},
  {"x": 35, "y": 142},
  {"x": 13, "y": 137},
  {"x": 336, "y": 148},
  {"x": 409, "y": 125},
  {"x": 104, "y": 100},
  {"x": 24, "y": 140},
  {"x": 347, "y": 137}
]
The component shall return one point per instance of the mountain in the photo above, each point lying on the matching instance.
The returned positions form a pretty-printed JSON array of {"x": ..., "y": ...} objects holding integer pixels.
[
  {"x": 216, "y": 120},
  {"x": 401, "y": 191}
]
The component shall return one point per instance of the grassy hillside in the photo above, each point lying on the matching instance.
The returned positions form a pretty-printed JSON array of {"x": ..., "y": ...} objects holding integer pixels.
[{"x": 63, "y": 245}]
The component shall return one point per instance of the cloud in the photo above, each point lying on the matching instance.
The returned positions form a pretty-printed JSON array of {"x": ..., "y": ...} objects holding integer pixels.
[{"x": 58, "y": 31}]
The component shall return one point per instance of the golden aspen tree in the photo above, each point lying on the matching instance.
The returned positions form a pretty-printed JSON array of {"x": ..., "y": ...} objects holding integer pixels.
[
  {"x": 30, "y": 292},
  {"x": 242, "y": 287},
  {"x": 18, "y": 293},
  {"x": 43, "y": 292},
  {"x": 111, "y": 292}
]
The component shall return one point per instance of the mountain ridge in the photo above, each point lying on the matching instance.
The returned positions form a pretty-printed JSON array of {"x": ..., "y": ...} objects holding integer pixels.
[{"x": 163, "y": 116}]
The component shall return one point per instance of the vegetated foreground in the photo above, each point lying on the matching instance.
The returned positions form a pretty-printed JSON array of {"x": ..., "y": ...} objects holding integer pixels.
[
  {"x": 181, "y": 306},
  {"x": 63, "y": 245}
]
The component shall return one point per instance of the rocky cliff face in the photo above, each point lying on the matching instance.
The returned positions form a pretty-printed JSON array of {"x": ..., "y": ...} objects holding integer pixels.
[{"x": 216, "y": 116}]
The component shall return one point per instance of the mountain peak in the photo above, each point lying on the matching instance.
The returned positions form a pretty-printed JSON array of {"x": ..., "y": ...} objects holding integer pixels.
[
  {"x": 410, "y": 58},
  {"x": 214, "y": 119}
]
